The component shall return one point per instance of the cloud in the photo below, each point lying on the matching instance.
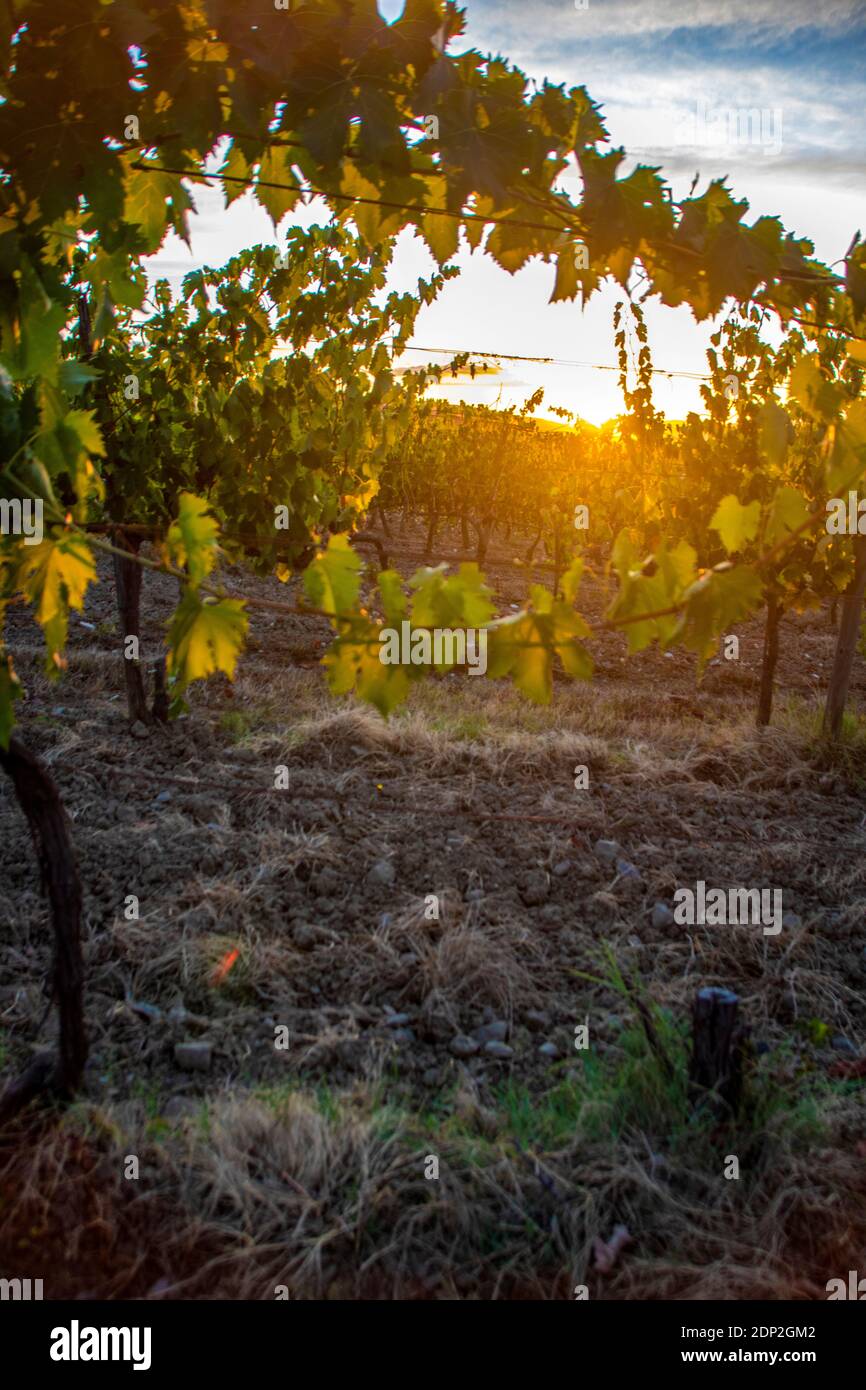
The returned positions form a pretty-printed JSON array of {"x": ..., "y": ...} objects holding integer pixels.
[
  {"x": 795, "y": 65},
  {"x": 549, "y": 22}
]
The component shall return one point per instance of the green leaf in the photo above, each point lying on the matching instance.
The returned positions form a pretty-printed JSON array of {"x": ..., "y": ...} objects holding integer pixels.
[
  {"x": 847, "y": 461},
  {"x": 393, "y": 599},
  {"x": 574, "y": 274},
  {"x": 521, "y": 646},
  {"x": 192, "y": 539},
  {"x": 774, "y": 431},
  {"x": 735, "y": 523},
  {"x": 442, "y": 234},
  {"x": 73, "y": 376},
  {"x": 461, "y": 600},
  {"x": 153, "y": 202},
  {"x": 720, "y": 598},
  {"x": 788, "y": 510},
  {"x": 571, "y": 579},
  {"x": 332, "y": 582},
  {"x": 353, "y": 663},
  {"x": 812, "y": 391},
  {"x": 274, "y": 169},
  {"x": 54, "y": 575},
  {"x": 205, "y": 635},
  {"x": 31, "y": 347}
]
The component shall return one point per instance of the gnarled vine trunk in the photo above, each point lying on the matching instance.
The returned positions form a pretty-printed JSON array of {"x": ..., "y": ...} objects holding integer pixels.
[{"x": 40, "y": 802}]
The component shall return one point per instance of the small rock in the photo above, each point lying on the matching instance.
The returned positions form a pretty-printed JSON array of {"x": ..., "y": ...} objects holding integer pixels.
[
  {"x": 606, "y": 851},
  {"x": 534, "y": 888},
  {"x": 843, "y": 1044},
  {"x": 139, "y": 730},
  {"x": 178, "y": 1106},
  {"x": 193, "y": 1056},
  {"x": 403, "y": 1035},
  {"x": 492, "y": 1032},
  {"x": 499, "y": 1049},
  {"x": 326, "y": 882},
  {"x": 626, "y": 869},
  {"x": 461, "y": 1046},
  {"x": 304, "y": 937},
  {"x": 383, "y": 872},
  {"x": 562, "y": 868},
  {"x": 396, "y": 1020},
  {"x": 88, "y": 627},
  {"x": 551, "y": 914},
  {"x": 162, "y": 797},
  {"x": 537, "y": 1020},
  {"x": 662, "y": 916},
  {"x": 549, "y": 1049}
]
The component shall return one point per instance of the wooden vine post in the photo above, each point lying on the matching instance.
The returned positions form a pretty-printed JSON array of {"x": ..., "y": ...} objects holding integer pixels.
[
  {"x": 769, "y": 661},
  {"x": 846, "y": 643},
  {"x": 716, "y": 1068}
]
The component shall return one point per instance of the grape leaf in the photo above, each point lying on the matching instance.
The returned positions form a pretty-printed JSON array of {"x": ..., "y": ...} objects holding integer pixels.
[
  {"x": 735, "y": 523},
  {"x": 205, "y": 635}
]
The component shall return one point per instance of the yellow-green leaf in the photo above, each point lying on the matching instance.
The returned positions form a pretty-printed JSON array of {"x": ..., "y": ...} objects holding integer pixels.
[
  {"x": 735, "y": 523},
  {"x": 192, "y": 539},
  {"x": 205, "y": 635},
  {"x": 332, "y": 581}
]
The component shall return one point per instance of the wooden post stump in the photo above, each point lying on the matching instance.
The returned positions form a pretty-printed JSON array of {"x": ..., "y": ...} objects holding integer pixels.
[{"x": 716, "y": 1068}]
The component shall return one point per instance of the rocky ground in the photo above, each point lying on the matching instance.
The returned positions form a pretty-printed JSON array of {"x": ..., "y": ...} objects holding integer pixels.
[{"x": 430, "y": 909}]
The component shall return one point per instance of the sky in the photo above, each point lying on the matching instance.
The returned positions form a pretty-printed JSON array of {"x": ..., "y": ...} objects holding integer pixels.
[{"x": 676, "y": 80}]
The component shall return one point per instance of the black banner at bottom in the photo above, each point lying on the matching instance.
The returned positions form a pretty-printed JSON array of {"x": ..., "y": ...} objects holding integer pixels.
[{"x": 155, "y": 1338}]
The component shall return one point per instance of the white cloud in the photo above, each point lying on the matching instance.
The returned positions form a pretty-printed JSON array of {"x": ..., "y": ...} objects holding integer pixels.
[{"x": 540, "y": 25}]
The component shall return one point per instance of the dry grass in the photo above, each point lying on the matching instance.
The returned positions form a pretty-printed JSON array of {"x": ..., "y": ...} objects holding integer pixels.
[{"x": 308, "y": 1169}]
